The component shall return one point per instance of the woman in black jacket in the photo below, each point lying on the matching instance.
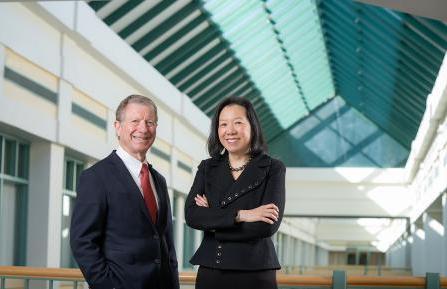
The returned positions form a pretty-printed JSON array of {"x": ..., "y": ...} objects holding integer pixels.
[{"x": 237, "y": 199}]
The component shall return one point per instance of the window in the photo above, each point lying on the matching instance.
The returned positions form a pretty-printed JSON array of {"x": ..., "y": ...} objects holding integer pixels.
[
  {"x": 174, "y": 216},
  {"x": 14, "y": 166},
  {"x": 363, "y": 259},
  {"x": 189, "y": 234},
  {"x": 351, "y": 259},
  {"x": 188, "y": 246},
  {"x": 9, "y": 166},
  {"x": 189, "y": 243},
  {"x": 280, "y": 247},
  {"x": 72, "y": 170}
]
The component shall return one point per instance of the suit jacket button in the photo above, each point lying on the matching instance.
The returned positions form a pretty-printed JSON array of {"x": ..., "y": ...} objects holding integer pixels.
[
  {"x": 223, "y": 203},
  {"x": 157, "y": 261},
  {"x": 218, "y": 254},
  {"x": 218, "y": 261},
  {"x": 236, "y": 194},
  {"x": 219, "y": 247}
]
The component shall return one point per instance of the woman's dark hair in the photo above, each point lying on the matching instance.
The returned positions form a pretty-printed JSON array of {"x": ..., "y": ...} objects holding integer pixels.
[{"x": 257, "y": 143}]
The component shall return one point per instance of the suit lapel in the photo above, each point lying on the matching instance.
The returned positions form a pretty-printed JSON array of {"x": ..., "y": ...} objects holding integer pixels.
[
  {"x": 129, "y": 184},
  {"x": 219, "y": 179}
]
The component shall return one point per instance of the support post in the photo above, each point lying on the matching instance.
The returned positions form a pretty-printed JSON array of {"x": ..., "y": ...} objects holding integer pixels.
[{"x": 339, "y": 280}]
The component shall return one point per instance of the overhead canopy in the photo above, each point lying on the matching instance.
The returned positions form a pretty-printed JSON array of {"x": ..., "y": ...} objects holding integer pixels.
[{"x": 291, "y": 59}]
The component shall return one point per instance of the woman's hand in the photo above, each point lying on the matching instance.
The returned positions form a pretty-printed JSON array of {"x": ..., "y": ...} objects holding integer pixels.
[
  {"x": 266, "y": 213},
  {"x": 201, "y": 201}
]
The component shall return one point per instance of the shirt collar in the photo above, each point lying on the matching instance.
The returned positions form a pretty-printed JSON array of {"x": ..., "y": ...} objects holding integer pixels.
[{"x": 132, "y": 164}]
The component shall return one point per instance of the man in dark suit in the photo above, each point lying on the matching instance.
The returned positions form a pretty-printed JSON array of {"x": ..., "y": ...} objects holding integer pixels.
[{"x": 121, "y": 229}]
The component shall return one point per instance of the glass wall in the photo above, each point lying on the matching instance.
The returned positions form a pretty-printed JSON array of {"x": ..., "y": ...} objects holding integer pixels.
[
  {"x": 72, "y": 171},
  {"x": 188, "y": 246},
  {"x": 14, "y": 171}
]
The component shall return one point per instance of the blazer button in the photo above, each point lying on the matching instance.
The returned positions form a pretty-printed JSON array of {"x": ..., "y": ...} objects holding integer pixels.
[
  {"x": 157, "y": 261},
  {"x": 218, "y": 261},
  {"x": 219, "y": 254},
  {"x": 219, "y": 247}
]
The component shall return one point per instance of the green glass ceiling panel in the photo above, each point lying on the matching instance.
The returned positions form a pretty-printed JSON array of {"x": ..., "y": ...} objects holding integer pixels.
[
  {"x": 336, "y": 134},
  {"x": 290, "y": 58},
  {"x": 383, "y": 62},
  {"x": 278, "y": 60}
]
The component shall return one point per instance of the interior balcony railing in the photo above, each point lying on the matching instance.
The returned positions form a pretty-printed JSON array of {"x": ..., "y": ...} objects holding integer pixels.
[
  {"x": 370, "y": 270},
  {"x": 16, "y": 277}
]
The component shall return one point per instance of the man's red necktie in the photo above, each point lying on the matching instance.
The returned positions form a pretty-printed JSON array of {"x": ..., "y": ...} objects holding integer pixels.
[{"x": 149, "y": 197}]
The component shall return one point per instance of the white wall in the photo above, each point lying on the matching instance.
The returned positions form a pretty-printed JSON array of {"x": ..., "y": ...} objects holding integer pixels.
[{"x": 346, "y": 192}]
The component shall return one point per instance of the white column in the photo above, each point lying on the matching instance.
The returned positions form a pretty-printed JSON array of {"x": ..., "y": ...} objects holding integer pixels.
[
  {"x": 388, "y": 257},
  {"x": 444, "y": 246},
  {"x": 313, "y": 255},
  {"x": 298, "y": 253},
  {"x": 2, "y": 68},
  {"x": 45, "y": 204},
  {"x": 403, "y": 253},
  {"x": 171, "y": 201},
  {"x": 180, "y": 219},
  {"x": 408, "y": 256},
  {"x": 397, "y": 253},
  {"x": 112, "y": 140},
  {"x": 64, "y": 111},
  {"x": 418, "y": 250},
  {"x": 322, "y": 257},
  {"x": 303, "y": 253},
  {"x": 197, "y": 239},
  {"x": 434, "y": 232},
  {"x": 173, "y": 166}
]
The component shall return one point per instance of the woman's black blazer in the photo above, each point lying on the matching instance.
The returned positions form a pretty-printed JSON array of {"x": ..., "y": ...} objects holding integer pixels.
[{"x": 227, "y": 244}]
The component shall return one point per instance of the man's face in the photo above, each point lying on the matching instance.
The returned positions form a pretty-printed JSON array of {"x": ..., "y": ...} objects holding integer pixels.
[{"x": 137, "y": 129}]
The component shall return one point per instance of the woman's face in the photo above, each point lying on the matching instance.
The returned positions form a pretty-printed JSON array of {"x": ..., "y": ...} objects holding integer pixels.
[{"x": 234, "y": 129}]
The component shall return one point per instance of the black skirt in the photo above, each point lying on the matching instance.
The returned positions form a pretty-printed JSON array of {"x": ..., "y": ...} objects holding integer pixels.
[{"x": 209, "y": 278}]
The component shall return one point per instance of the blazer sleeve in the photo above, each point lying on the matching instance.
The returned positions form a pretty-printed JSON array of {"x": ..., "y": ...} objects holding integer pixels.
[
  {"x": 201, "y": 218},
  {"x": 274, "y": 193},
  {"x": 87, "y": 231}
]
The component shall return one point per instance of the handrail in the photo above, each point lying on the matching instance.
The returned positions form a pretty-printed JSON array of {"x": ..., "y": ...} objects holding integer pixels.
[
  {"x": 373, "y": 281},
  {"x": 42, "y": 273},
  {"x": 190, "y": 277}
]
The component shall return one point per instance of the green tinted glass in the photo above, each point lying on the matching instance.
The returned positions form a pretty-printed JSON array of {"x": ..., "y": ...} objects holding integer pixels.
[
  {"x": 69, "y": 175},
  {"x": 79, "y": 169},
  {"x": 188, "y": 246},
  {"x": 23, "y": 161},
  {"x": 9, "y": 166}
]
